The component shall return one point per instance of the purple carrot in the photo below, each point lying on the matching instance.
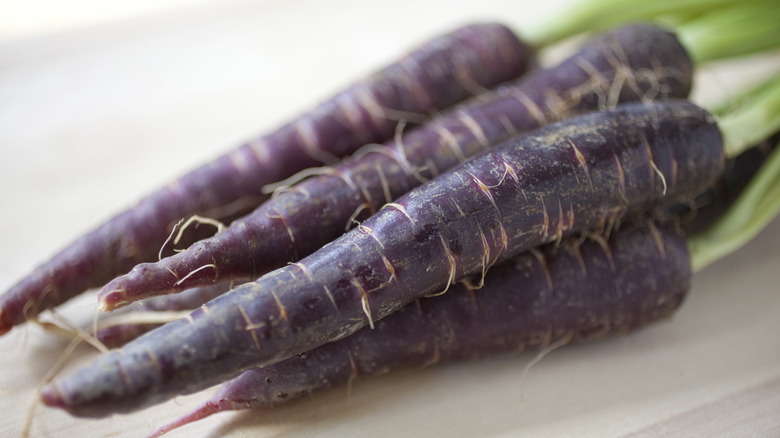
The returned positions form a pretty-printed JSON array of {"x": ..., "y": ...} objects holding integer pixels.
[
  {"x": 637, "y": 62},
  {"x": 580, "y": 292},
  {"x": 439, "y": 74},
  {"x": 130, "y": 322},
  {"x": 571, "y": 176},
  {"x": 189, "y": 299},
  {"x": 698, "y": 215}
]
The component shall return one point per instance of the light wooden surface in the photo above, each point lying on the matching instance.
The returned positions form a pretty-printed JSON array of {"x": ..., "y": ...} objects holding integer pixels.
[{"x": 99, "y": 106}]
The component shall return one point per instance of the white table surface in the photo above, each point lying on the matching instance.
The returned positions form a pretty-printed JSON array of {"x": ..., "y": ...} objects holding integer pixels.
[{"x": 99, "y": 106}]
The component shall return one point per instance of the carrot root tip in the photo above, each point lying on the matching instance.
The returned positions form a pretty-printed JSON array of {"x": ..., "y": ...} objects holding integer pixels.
[{"x": 52, "y": 397}]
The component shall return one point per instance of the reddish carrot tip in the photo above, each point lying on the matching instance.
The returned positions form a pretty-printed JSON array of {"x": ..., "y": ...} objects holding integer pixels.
[
  {"x": 52, "y": 397},
  {"x": 201, "y": 412},
  {"x": 111, "y": 299}
]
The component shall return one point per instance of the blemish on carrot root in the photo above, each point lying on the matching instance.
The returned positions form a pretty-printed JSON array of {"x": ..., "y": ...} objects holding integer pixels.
[
  {"x": 457, "y": 207},
  {"x": 353, "y": 374},
  {"x": 260, "y": 149},
  {"x": 310, "y": 278},
  {"x": 383, "y": 183},
  {"x": 447, "y": 138},
  {"x": 658, "y": 239},
  {"x": 486, "y": 190},
  {"x": 559, "y": 227},
  {"x": 536, "y": 112},
  {"x": 195, "y": 271},
  {"x": 474, "y": 127},
  {"x": 559, "y": 105},
  {"x": 602, "y": 242},
  {"x": 436, "y": 358},
  {"x": 351, "y": 109},
  {"x": 286, "y": 184},
  {"x": 511, "y": 130},
  {"x": 412, "y": 69},
  {"x": 595, "y": 78},
  {"x": 279, "y": 305},
  {"x": 170, "y": 236},
  {"x": 472, "y": 291},
  {"x": 399, "y": 155},
  {"x": 112, "y": 299},
  {"x": 330, "y": 296},
  {"x": 582, "y": 162},
  {"x": 153, "y": 360},
  {"x": 616, "y": 87},
  {"x": 340, "y": 174},
  {"x": 402, "y": 209},
  {"x": 369, "y": 104},
  {"x": 239, "y": 161},
  {"x": 621, "y": 177},
  {"x": 364, "y": 301},
  {"x": 653, "y": 166},
  {"x": 485, "y": 256},
  {"x": 123, "y": 372},
  {"x": 545, "y": 217},
  {"x": 353, "y": 217},
  {"x": 510, "y": 170},
  {"x": 390, "y": 269},
  {"x": 545, "y": 268},
  {"x": 580, "y": 260},
  {"x": 453, "y": 266},
  {"x": 250, "y": 326},
  {"x": 369, "y": 232},
  {"x": 198, "y": 220},
  {"x": 306, "y": 131},
  {"x": 660, "y": 175},
  {"x": 284, "y": 222},
  {"x": 430, "y": 166},
  {"x": 504, "y": 239},
  {"x": 30, "y": 308},
  {"x": 172, "y": 272}
]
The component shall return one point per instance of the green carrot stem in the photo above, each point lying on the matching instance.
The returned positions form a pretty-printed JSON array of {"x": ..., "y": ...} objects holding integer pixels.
[{"x": 754, "y": 209}]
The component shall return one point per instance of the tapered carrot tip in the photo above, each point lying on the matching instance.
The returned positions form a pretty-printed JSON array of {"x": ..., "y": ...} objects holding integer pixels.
[
  {"x": 112, "y": 299},
  {"x": 52, "y": 397},
  {"x": 201, "y": 412}
]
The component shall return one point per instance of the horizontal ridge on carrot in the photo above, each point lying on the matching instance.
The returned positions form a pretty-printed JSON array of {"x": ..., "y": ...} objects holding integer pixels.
[
  {"x": 638, "y": 62},
  {"x": 437, "y": 75},
  {"x": 581, "y": 174},
  {"x": 580, "y": 291}
]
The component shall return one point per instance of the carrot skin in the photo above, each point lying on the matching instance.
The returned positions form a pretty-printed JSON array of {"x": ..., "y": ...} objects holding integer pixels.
[
  {"x": 561, "y": 180},
  {"x": 116, "y": 335},
  {"x": 437, "y": 75},
  {"x": 648, "y": 61},
  {"x": 707, "y": 208},
  {"x": 581, "y": 291}
]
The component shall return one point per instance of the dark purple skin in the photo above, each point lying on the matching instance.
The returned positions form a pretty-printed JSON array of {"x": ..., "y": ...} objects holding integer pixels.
[
  {"x": 697, "y": 215},
  {"x": 282, "y": 231},
  {"x": 581, "y": 174},
  {"x": 189, "y": 299},
  {"x": 439, "y": 74},
  {"x": 578, "y": 291},
  {"x": 117, "y": 335}
]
